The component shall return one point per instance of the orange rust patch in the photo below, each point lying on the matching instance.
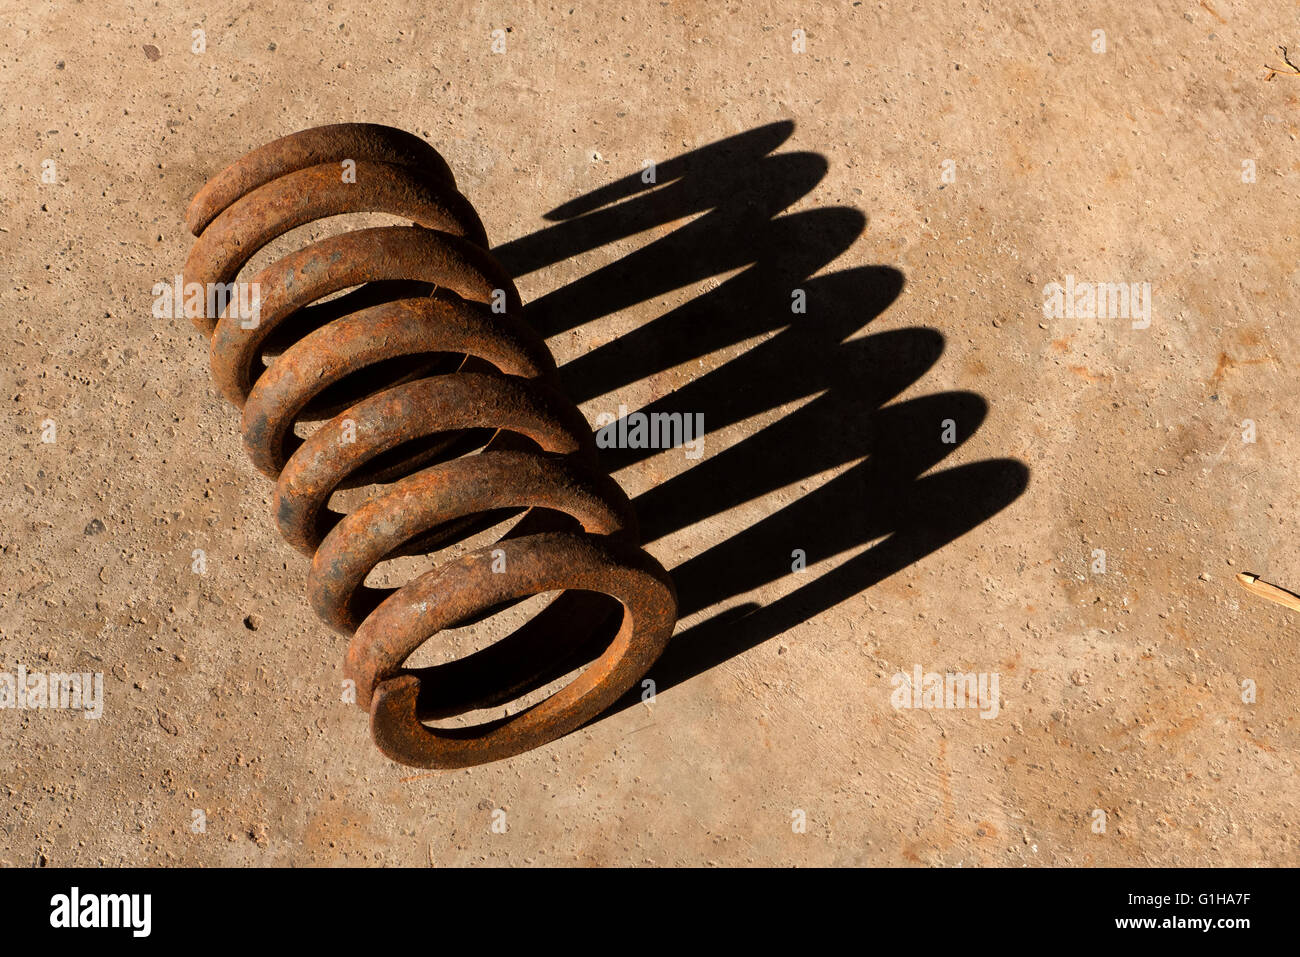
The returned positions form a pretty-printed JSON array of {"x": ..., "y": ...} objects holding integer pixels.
[
  {"x": 1214, "y": 13},
  {"x": 1083, "y": 373},
  {"x": 1227, "y": 363}
]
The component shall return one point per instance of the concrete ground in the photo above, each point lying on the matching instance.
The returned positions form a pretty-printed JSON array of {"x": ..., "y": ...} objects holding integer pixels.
[{"x": 1060, "y": 498}]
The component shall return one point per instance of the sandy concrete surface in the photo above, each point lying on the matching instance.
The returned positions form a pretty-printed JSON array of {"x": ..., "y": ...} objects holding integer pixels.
[{"x": 922, "y": 171}]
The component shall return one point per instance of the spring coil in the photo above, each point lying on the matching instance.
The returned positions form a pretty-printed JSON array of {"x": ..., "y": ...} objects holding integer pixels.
[{"x": 409, "y": 370}]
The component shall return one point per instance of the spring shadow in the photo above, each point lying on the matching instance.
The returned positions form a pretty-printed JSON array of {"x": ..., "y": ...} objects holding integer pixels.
[{"x": 737, "y": 189}]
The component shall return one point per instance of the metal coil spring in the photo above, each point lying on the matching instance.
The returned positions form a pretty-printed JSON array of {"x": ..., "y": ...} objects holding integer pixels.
[{"x": 374, "y": 363}]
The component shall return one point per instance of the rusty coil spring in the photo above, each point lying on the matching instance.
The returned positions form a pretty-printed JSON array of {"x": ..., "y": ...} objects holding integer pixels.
[{"x": 410, "y": 371}]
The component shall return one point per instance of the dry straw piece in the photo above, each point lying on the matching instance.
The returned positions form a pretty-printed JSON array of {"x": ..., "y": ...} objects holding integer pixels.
[{"x": 1263, "y": 589}]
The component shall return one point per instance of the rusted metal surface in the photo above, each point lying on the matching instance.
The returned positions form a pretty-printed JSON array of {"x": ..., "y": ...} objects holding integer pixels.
[{"x": 451, "y": 410}]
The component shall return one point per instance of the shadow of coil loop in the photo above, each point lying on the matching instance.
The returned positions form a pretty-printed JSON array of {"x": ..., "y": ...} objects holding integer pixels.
[{"x": 429, "y": 385}]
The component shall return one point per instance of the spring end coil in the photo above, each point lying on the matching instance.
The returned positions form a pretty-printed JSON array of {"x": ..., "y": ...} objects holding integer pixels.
[{"x": 394, "y": 338}]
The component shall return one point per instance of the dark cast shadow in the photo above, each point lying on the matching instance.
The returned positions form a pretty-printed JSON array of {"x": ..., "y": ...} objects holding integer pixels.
[{"x": 738, "y": 189}]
